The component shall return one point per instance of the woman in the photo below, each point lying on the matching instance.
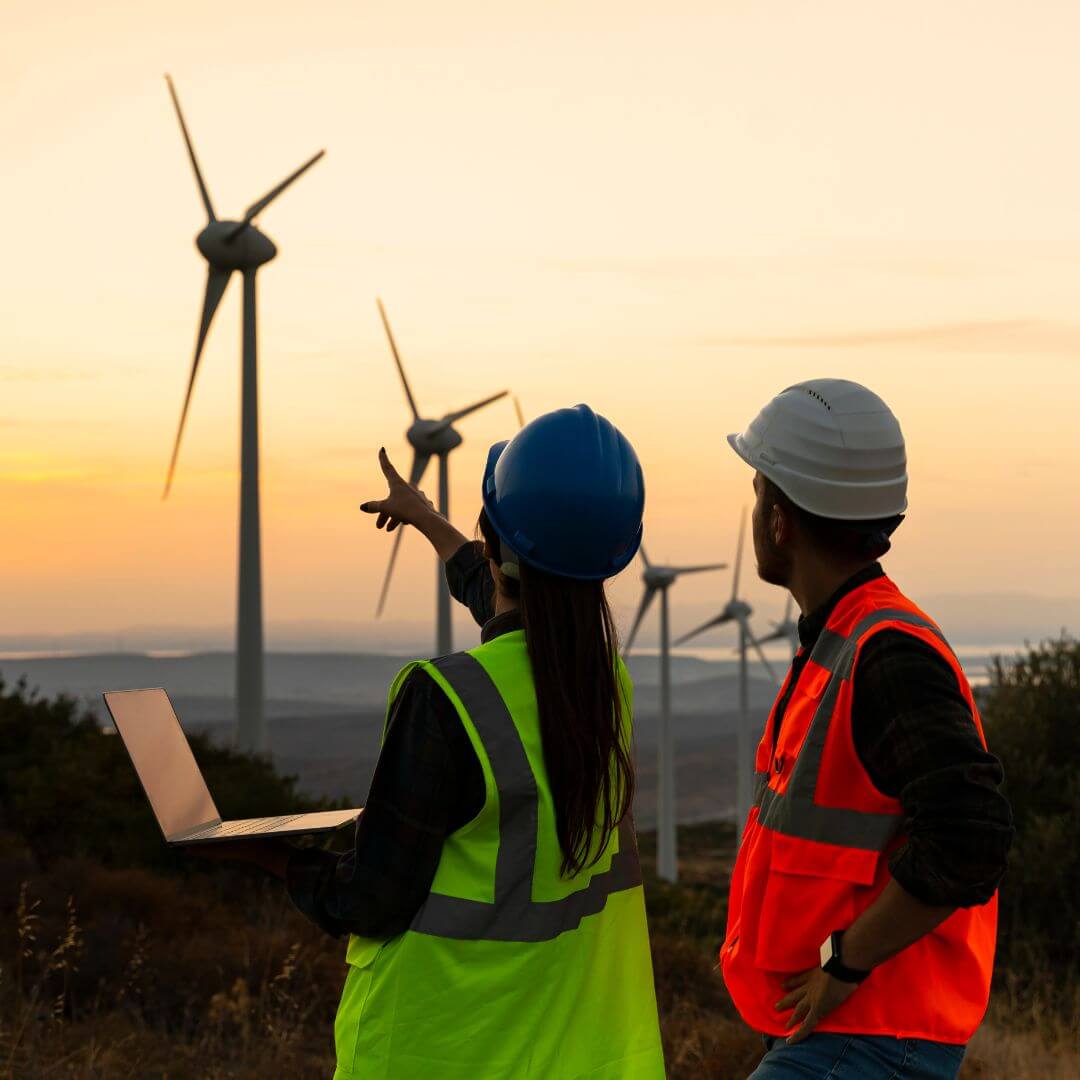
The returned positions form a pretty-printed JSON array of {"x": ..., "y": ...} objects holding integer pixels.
[{"x": 493, "y": 896}]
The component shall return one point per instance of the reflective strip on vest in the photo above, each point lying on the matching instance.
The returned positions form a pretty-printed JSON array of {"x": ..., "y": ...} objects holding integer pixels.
[
  {"x": 793, "y": 811},
  {"x": 514, "y": 916}
]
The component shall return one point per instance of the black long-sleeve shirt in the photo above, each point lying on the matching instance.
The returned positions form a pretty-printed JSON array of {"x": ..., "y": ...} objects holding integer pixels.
[
  {"x": 427, "y": 784},
  {"x": 912, "y": 728},
  {"x": 916, "y": 738}
]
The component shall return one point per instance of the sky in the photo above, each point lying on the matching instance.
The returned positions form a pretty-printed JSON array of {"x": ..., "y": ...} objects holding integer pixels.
[{"x": 671, "y": 215}]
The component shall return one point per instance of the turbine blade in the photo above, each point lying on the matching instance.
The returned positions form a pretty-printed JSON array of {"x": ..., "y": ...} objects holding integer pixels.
[
  {"x": 451, "y": 418},
  {"x": 416, "y": 474},
  {"x": 397, "y": 359},
  {"x": 718, "y": 621},
  {"x": 191, "y": 152},
  {"x": 787, "y": 609},
  {"x": 389, "y": 570},
  {"x": 419, "y": 467},
  {"x": 644, "y": 556},
  {"x": 757, "y": 648},
  {"x": 274, "y": 192},
  {"x": 646, "y": 603},
  {"x": 520, "y": 414},
  {"x": 738, "y": 556},
  {"x": 699, "y": 569},
  {"x": 216, "y": 280}
]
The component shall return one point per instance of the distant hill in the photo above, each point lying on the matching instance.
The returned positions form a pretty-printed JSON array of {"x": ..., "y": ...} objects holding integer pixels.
[
  {"x": 348, "y": 680},
  {"x": 970, "y": 618},
  {"x": 991, "y": 618},
  {"x": 325, "y": 713}
]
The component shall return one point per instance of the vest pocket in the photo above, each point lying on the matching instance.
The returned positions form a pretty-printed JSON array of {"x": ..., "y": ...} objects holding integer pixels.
[{"x": 810, "y": 890}]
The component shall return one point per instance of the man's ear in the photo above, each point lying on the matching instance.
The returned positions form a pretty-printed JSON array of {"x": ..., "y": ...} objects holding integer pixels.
[{"x": 780, "y": 522}]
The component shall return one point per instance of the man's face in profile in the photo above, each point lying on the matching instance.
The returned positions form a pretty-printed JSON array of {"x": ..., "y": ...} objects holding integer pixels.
[{"x": 773, "y": 561}]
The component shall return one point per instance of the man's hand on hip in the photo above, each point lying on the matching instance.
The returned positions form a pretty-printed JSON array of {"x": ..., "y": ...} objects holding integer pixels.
[{"x": 813, "y": 994}]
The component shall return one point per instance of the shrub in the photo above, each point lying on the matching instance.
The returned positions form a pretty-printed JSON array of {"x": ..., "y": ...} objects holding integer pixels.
[
  {"x": 70, "y": 790},
  {"x": 1032, "y": 718}
]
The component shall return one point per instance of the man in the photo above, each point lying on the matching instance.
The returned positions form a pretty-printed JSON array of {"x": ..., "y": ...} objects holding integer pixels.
[{"x": 863, "y": 906}]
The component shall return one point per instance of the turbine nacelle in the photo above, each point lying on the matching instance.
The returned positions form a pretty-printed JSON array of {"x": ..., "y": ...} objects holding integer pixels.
[
  {"x": 225, "y": 248},
  {"x": 433, "y": 437},
  {"x": 659, "y": 577},
  {"x": 738, "y": 609}
]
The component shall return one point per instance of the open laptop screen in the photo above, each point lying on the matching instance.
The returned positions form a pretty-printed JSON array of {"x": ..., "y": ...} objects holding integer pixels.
[{"x": 163, "y": 759}]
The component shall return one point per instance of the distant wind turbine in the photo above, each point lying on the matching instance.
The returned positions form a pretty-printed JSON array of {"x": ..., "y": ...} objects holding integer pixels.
[
  {"x": 429, "y": 438},
  {"x": 658, "y": 579},
  {"x": 228, "y": 246},
  {"x": 739, "y": 611},
  {"x": 785, "y": 630}
]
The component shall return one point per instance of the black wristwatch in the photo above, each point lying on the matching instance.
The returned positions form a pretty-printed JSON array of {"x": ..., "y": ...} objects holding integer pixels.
[{"x": 832, "y": 962}]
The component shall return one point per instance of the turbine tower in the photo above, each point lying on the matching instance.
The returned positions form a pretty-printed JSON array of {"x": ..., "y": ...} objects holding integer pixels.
[
  {"x": 739, "y": 611},
  {"x": 229, "y": 246},
  {"x": 658, "y": 579},
  {"x": 429, "y": 438}
]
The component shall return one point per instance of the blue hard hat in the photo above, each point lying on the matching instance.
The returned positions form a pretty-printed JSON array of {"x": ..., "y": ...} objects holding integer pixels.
[{"x": 566, "y": 495}]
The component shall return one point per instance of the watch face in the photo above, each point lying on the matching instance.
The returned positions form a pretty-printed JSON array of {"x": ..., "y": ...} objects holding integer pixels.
[{"x": 827, "y": 950}]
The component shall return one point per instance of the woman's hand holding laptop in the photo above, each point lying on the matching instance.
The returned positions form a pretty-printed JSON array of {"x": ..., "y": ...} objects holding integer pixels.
[{"x": 271, "y": 855}]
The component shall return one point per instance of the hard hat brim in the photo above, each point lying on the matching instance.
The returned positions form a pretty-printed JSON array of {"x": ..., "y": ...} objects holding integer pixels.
[{"x": 733, "y": 441}]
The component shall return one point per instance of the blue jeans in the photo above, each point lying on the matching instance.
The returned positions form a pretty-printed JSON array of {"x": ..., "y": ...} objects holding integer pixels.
[{"x": 825, "y": 1056}]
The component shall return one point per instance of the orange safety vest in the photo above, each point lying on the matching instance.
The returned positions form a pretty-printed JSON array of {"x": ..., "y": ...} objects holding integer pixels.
[{"x": 815, "y": 854}]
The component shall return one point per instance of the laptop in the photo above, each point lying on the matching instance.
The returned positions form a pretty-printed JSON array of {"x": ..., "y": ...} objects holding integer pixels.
[{"x": 178, "y": 794}]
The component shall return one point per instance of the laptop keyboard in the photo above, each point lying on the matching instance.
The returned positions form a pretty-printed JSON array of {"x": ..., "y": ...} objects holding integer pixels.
[{"x": 240, "y": 828}]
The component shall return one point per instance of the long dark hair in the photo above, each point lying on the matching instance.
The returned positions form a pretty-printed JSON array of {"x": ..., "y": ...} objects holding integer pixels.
[{"x": 573, "y": 647}]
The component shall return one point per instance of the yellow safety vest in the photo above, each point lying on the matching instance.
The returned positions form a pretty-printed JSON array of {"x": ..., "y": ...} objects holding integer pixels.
[{"x": 509, "y": 970}]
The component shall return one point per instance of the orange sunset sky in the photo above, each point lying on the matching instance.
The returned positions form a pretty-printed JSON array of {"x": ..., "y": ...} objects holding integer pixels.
[{"x": 668, "y": 211}]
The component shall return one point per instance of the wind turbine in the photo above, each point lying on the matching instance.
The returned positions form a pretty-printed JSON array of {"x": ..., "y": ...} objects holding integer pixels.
[
  {"x": 658, "y": 579},
  {"x": 739, "y": 611},
  {"x": 429, "y": 438},
  {"x": 785, "y": 630},
  {"x": 228, "y": 246}
]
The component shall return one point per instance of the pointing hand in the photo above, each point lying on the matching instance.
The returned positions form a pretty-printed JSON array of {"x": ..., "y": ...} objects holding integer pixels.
[{"x": 404, "y": 504}]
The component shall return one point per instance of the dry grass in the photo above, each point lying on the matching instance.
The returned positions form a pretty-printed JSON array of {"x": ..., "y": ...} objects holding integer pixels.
[
  {"x": 156, "y": 977},
  {"x": 124, "y": 973}
]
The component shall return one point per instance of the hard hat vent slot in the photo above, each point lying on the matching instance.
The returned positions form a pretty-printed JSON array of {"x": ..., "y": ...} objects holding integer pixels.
[{"x": 817, "y": 397}]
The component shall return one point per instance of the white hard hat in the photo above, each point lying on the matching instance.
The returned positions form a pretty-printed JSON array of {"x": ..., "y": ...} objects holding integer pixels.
[{"x": 832, "y": 447}]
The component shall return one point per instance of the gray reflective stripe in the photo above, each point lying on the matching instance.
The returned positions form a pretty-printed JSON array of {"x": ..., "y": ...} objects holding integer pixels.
[
  {"x": 827, "y": 824},
  {"x": 514, "y": 916},
  {"x": 794, "y": 811},
  {"x": 828, "y": 650},
  {"x": 761, "y": 785}
]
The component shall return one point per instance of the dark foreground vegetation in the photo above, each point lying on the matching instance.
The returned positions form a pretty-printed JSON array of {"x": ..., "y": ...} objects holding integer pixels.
[{"x": 120, "y": 958}]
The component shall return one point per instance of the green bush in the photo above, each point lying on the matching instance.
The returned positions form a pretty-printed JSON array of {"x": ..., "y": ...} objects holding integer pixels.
[
  {"x": 69, "y": 790},
  {"x": 1032, "y": 716}
]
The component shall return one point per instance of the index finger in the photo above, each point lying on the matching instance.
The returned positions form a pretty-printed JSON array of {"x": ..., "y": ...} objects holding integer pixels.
[{"x": 388, "y": 469}]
